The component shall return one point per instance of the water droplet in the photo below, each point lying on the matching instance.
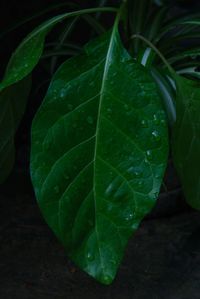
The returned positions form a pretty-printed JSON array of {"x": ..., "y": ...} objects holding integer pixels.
[
  {"x": 144, "y": 123},
  {"x": 121, "y": 192},
  {"x": 140, "y": 183},
  {"x": 156, "y": 135},
  {"x": 115, "y": 186},
  {"x": 56, "y": 189},
  {"x": 136, "y": 172},
  {"x": 156, "y": 120},
  {"x": 90, "y": 120},
  {"x": 153, "y": 195},
  {"x": 90, "y": 256},
  {"x": 70, "y": 106},
  {"x": 109, "y": 189},
  {"x": 157, "y": 176},
  {"x": 163, "y": 122},
  {"x": 149, "y": 154},
  {"x": 62, "y": 93},
  {"x": 129, "y": 217}
]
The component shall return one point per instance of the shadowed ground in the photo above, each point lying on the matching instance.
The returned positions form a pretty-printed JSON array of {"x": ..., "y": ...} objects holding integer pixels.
[{"x": 161, "y": 262}]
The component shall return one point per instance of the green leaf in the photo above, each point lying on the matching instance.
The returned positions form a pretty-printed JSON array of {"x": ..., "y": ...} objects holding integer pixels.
[
  {"x": 177, "y": 26},
  {"x": 193, "y": 53},
  {"x": 186, "y": 139},
  {"x": 99, "y": 151},
  {"x": 30, "y": 50},
  {"x": 11, "y": 113}
]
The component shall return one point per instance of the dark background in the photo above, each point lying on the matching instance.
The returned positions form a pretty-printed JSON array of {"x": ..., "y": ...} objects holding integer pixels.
[{"x": 163, "y": 259}]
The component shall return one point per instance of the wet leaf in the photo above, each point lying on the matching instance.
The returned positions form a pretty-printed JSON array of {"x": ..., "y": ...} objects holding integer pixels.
[{"x": 99, "y": 151}]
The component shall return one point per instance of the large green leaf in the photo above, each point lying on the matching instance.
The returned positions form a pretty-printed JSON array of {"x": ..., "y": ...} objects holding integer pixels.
[
  {"x": 13, "y": 104},
  {"x": 99, "y": 150},
  {"x": 186, "y": 139}
]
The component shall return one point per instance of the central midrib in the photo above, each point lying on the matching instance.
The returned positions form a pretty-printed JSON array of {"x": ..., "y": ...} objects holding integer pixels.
[{"x": 102, "y": 91}]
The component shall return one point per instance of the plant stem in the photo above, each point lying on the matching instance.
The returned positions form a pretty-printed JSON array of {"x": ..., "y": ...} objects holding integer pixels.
[{"x": 171, "y": 70}]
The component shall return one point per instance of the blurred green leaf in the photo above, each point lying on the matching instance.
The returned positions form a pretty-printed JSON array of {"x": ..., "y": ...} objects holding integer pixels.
[
  {"x": 186, "y": 139},
  {"x": 13, "y": 103}
]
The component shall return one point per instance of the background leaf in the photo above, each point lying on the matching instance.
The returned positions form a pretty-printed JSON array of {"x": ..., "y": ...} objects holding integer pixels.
[
  {"x": 99, "y": 151},
  {"x": 186, "y": 139},
  {"x": 13, "y": 104},
  {"x": 27, "y": 55}
]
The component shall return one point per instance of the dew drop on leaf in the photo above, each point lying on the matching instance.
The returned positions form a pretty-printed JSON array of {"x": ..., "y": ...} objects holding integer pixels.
[
  {"x": 156, "y": 135},
  {"x": 157, "y": 176},
  {"x": 109, "y": 189},
  {"x": 163, "y": 122},
  {"x": 140, "y": 183},
  {"x": 156, "y": 120},
  {"x": 149, "y": 154},
  {"x": 135, "y": 172},
  {"x": 121, "y": 192},
  {"x": 90, "y": 256},
  {"x": 62, "y": 93},
  {"x": 144, "y": 123},
  {"x": 129, "y": 217}
]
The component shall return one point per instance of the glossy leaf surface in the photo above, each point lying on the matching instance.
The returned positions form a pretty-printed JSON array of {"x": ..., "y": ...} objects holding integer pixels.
[
  {"x": 99, "y": 151},
  {"x": 186, "y": 139}
]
